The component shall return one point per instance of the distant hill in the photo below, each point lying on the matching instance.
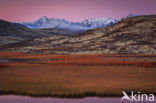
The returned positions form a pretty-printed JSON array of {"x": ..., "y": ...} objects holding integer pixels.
[
  {"x": 14, "y": 32},
  {"x": 10, "y": 33},
  {"x": 133, "y": 35}
]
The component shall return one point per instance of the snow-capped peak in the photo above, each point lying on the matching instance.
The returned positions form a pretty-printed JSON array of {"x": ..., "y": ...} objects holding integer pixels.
[
  {"x": 43, "y": 19},
  {"x": 98, "y": 22},
  {"x": 45, "y": 22}
]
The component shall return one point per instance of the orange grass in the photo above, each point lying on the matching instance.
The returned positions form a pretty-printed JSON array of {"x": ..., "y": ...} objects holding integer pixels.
[
  {"x": 77, "y": 75},
  {"x": 94, "y": 60},
  {"x": 75, "y": 81}
]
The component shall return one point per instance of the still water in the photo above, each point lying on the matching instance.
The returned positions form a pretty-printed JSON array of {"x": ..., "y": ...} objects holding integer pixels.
[{"x": 27, "y": 99}]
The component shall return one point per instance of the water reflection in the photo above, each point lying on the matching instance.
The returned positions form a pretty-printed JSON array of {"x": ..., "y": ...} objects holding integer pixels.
[{"x": 26, "y": 99}]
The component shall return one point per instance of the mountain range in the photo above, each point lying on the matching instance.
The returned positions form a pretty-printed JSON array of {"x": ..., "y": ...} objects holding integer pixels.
[
  {"x": 74, "y": 27},
  {"x": 132, "y": 35},
  {"x": 43, "y": 27},
  {"x": 15, "y": 32}
]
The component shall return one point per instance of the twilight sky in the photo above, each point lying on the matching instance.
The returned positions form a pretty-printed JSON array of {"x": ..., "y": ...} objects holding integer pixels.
[{"x": 73, "y": 10}]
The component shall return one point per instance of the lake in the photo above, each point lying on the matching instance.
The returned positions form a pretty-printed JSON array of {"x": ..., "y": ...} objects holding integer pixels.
[{"x": 27, "y": 99}]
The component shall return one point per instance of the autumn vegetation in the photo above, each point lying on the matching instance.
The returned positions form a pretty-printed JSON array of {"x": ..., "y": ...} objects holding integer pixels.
[{"x": 76, "y": 75}]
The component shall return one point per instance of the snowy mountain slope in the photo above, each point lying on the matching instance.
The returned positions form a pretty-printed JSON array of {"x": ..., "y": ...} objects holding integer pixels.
[
  {"x": 45, "y": 22},
  {"x": 98, "y": 22}
]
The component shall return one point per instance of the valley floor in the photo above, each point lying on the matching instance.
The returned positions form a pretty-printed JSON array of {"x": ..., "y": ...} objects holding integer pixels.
[{"x": 76, "y": 75}]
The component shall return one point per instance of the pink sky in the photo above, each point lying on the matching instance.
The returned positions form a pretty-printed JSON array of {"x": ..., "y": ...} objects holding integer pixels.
[{"x": 73, "y": 10}]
